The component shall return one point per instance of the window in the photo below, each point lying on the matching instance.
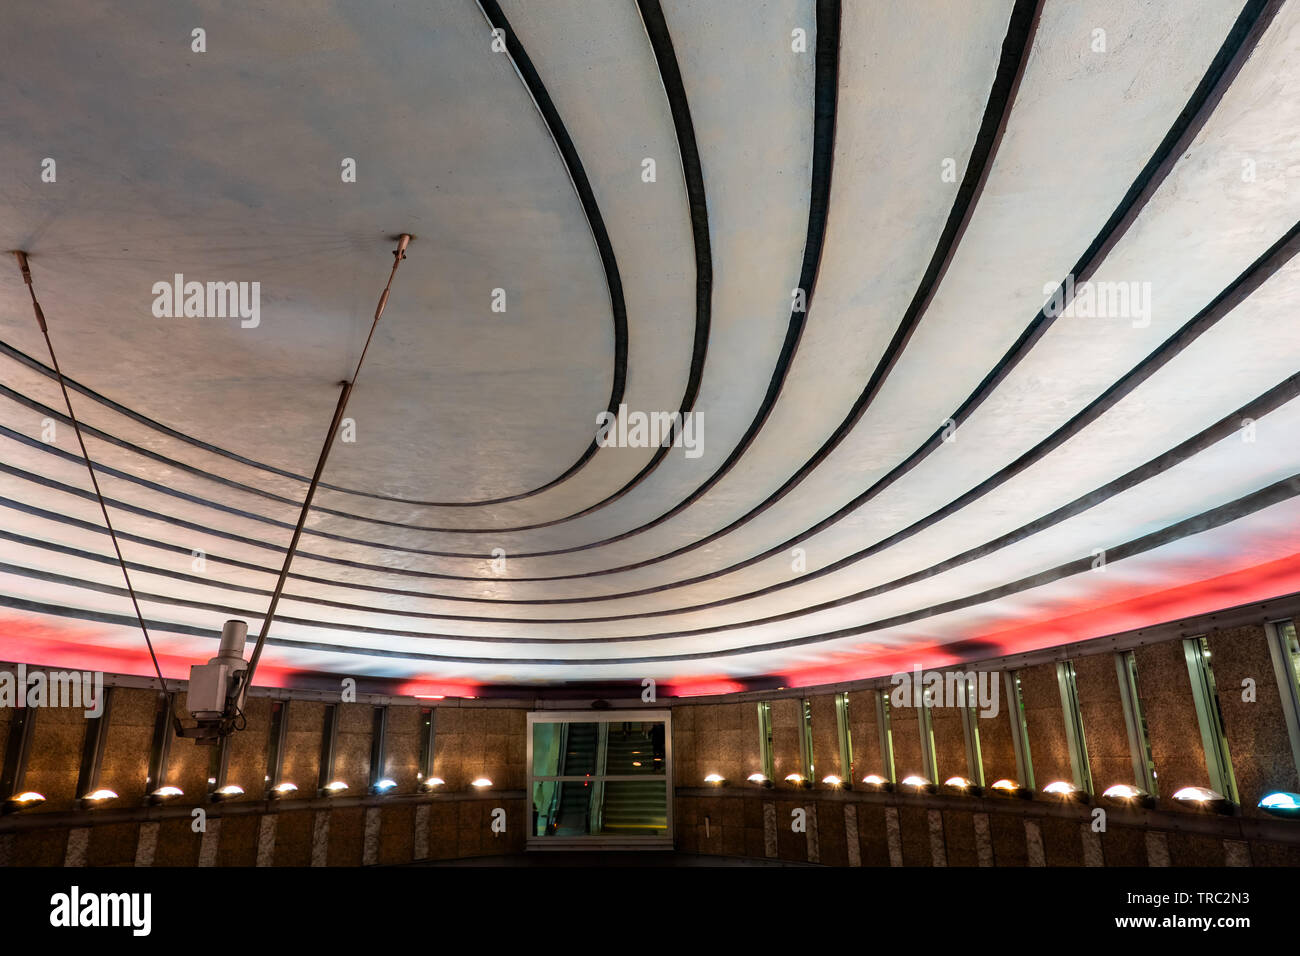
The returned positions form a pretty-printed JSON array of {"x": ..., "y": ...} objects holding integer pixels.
[
  {"x": 1196, "y": 651},
  {"x": 1067, "y": 681},
  {"x": 1019, "y": 730},
  {"x": 806, "y": 739},
  {"x": 428, "y": 727},
  {"x": 1284, "y": 648},
  {"x": 929, "y": 762},
  {"x": 1135, "y": 722},
  {"x": 844, "y": 735},
  {"x": 765, "y": 748},
  {"x": 970, "y": 725},
  {"x": 598, "y": 778},
  {"x": 886, "y": 735},
  {"x": 1292, "y": 647}
]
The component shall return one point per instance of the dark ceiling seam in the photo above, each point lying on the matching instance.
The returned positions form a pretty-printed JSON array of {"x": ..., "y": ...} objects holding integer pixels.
[
  {"x": 1193, "y": 116},
  {"x": 1194, "y": 113},
  {"x": 1240, "y": 289},
  {"x": 1232, "y": 54},
  {"x": 1258, "y": 408},
  {"x": 670, "y": 75},
  {"x": 826, "y": 91},
  {"x": 1227, "y": 426},
  {"x": 1260, "y": 271},
  {"x": 586, "y": 196},
  {"x": 1276, "y": 493}
]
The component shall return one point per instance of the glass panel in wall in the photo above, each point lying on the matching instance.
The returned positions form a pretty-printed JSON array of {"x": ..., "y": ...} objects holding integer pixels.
[{"x": 599, "y": 779}]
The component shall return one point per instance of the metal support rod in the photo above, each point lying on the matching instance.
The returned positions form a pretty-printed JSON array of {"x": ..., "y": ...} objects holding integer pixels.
[
  {"x": 94, "y": 480},
  {"x": 398, "y": 255}
]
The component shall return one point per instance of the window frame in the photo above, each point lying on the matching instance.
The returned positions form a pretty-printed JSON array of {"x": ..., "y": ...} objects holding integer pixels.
[
  {"x": 1067, "y": 682},
  {"x": 1286, "y": 669},
  {"x": 599, "y": 840},
  {"x": 1209, "y": 716}
]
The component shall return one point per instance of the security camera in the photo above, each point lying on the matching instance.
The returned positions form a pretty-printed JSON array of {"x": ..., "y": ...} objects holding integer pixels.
[{"x": 215, "y": 687}]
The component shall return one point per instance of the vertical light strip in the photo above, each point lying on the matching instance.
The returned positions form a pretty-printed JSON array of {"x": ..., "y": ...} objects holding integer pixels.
[
  {"x": 428, "y": 718},
  {"x": 1019, "y": 730},
  {"x": 929, "y": 761},
  {"x": 970, "y": 727},
  {"x": 378, "y": 746},
  {"x": 92, "y": 747},
  {"x": 161, "y": 745},
  {"x": 765, "y": 739},
  {"x": 21, "y": 726},
  {"x": 1218, "y": 761},
  {"x": 1067, "y": 683},
  {"x": 1139, "y": 741},
  {"x": 886, "y": 735},
  {"x": 1284, "y": 649},
  {"x": 845, "y": 735},
  {"x": 275, "y": 745},
  {"x": 806, "y": 738},
  {"x": 218, "y": 764},
  {"x": 329, "y": 734}
]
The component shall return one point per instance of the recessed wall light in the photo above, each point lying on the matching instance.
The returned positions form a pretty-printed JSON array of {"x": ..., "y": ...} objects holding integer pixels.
[
  {"x": 1281, "y": 804},
  {"x": 1203, "y": 798},
  {"x": 1009, "y": 788},
  {"x": 1125, "y": 794},
  {"x": 23, "y": 801}
]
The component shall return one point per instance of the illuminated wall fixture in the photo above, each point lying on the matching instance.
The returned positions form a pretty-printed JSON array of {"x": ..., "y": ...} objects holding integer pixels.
[
  {"x": 93, "y": 743},
  {"x": 832, "y": 781},
  {"x": 758, "y": 780},
  {"x": 962, "y": 785},
  {"x": 96, "y": 798},
  {"x": 1281, "y": 804},
  {"x": 1066, "y": 791},
  {"x": 229, "y": 792},
  {"x": 281, "y": 790},
  {"x": 1009, "y": 788},
  {"x": 1203, "y": 798},
  {"x": 797, "y": 780},
  {"x": 917, "y": 783},
  {"x": 383, "y": 786},
  {"x": 716, "y": 779},
  {"x": 482, "y": 783},
  {"x": 163, "y": 794},
  {"x": 432, "y": 783},
  {"x": 874, "y": 781},
  {"x": 335, "y": 787},
  {"x": 23, "y": 801},
  {"x": 1126, "y": 795}
]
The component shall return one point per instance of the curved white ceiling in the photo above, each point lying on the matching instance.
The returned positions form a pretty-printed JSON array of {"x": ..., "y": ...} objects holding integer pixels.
[{"x": 926, "y": 463}]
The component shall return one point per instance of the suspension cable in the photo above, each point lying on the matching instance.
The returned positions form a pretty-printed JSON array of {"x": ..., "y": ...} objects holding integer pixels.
[
  {"x": 76, "y": 427},
  {"x": 398, "y": 255}
]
